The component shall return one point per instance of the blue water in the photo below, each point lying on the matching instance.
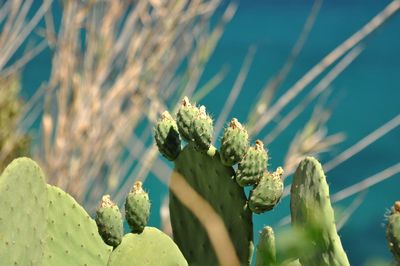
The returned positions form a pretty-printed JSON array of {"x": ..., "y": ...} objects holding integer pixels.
[{"x": 365, "y": 96}]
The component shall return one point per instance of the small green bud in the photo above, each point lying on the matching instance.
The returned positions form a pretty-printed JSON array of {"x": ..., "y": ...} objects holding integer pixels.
[
  {"x": 109, "y": 222},
  {"x": 267, "y": 193},
  {"x": 393, "y": 231},
  {"x": 252, "y": 166},
  {"x": 202, "y": 130},
  {"x": 167, "y": 137},
  {"x": 137, "y": 208},
  {"x": 234, "y": 144},
  {"x": 185, "y": 117}
]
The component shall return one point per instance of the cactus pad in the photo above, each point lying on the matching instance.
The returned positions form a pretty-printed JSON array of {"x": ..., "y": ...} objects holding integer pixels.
[
  {"x": 167, "y": 137},
  {"x": 266, "y": 250},
  {"x": 393, "y": 231},
  {"x": 72, "y": 235},
  {"x": 151, "y": 247},
  {"x": 252, "y": 166},
  {"x": 311, "y": 210},
  {"x": 109, "y": 222},
  {"x": 23, "y": 213},
  {"x": 267, "y": 193},
  {"x": 234, "y": 143},
  {"x": 215, "y": 183},
  {"x": 137, "y": 208}
]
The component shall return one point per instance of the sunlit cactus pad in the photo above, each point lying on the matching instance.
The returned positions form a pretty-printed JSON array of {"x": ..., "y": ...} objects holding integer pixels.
[
  {"x": 23, "y": 213},
  {"x": 151, "y": 247},
  {"x": 73, "y": 237},
  {"x": 216, "y": 183}
]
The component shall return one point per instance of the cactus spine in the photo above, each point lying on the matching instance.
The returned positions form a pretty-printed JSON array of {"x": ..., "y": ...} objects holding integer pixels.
[
  {"x": 311, "y": 210},
  {"x": 393, "y": 231},
  {"x": 109, "y": 222},
  {"x": 137, "y": 208}
]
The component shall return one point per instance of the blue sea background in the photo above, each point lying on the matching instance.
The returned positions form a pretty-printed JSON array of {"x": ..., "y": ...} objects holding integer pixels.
[{"x": 365, "y": 96}]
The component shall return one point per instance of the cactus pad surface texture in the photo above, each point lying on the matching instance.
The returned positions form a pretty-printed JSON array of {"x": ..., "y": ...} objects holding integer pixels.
[
  {"x": 311, "y": 210},
  {"x": 151, "y": 247},
  {"x": 215, "y": 182},
  {"x": 73, "y": 237},
  {"x": 23, "y": 213}
]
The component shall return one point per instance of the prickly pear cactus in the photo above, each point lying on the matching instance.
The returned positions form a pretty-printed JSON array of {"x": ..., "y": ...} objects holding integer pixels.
[
  {"x": 234, "y": 143},
  {"x": 252, "y": 167},
  {"x": 210, "y": 174},
  {"x": 267, "y": 193},
  {"x": 393, "y": 231},
  {"x": 266, "y": 250},
  {"x": 185, "y": 117},
  {"x": 151, "y": 247},
  {"x": 137, "y": 208},
  {"x": 214, "y": 181},
  {"x": 167, "y": 137},
  {"x": 23, "y": 213},
  {"x": 72, "y": 236},
  {"x": 202, "y": 129},
  {"x": 109, "y": 222},
  {"x": 311, "y": 210}
]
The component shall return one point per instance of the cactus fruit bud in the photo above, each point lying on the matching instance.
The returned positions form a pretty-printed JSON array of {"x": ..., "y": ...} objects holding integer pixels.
[
  {"x": 202, "y": 130},
  {"x": 266, "y": 250},
  {"x": 234, "y": 144},
  {"x": 393, "y": 231},
  {"x": 185, "y": 117},
  {"x": 252, "y": 166},
  {"x": 137, "y": 208},
  {"x": 167, "y": 137},
  {"x": 109, "y": 222},
  {"x": 267, "y": 193}
]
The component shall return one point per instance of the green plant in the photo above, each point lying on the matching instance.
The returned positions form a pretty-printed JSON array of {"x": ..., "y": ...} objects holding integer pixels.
[
  {"x": 204, "y": 176},
  {"x": 12, "y": 144},
  {"x": 393, "y": 231},
  {"x": 43, "y": 225}
]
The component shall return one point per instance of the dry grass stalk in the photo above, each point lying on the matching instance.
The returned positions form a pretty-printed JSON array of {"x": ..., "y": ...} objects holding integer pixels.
[{"x": 114, "y": 68}]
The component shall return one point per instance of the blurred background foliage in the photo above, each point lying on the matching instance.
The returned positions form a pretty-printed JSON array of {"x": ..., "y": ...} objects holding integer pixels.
[{"x": 96, "y": 74}]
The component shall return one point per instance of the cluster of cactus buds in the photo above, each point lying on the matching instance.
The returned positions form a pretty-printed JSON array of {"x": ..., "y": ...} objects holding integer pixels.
[
  {"x": 196, "y": 127},
  {"x": 208, "y": 170}
]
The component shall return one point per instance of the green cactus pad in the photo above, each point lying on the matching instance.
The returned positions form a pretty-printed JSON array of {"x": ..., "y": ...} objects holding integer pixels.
[
  {"x": 151, "y": 247},
  {"x": 393, "y": 231},
  {"x": 251, "y": 168},
  {"x": 215, "y": 183},
  {"x": 72, "y": 235},
  {"x": 167, "y": 137},
  {"x": 185, "y": 117},
  {"x": 137, "y": 208},
  {"x": 234, "y": 144},
  {"x": 202, "y": 130},
  {"x": 109, "y": 222},
  {"x": 311, "y": 210},
  {"x": 267, "y": 193},
  {"x": 23, "y": 213},
  {"x": 266, "y": 250}
]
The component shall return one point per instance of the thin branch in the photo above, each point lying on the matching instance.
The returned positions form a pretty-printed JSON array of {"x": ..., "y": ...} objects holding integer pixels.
[{"x": 328, "y": 60}]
